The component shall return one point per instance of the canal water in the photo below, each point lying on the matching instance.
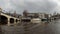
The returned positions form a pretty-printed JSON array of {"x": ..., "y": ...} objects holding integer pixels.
[{"x": 37, "y": 28}]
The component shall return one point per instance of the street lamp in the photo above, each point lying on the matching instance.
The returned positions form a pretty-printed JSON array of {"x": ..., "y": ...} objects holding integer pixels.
[{"x": 0, "y": 14}]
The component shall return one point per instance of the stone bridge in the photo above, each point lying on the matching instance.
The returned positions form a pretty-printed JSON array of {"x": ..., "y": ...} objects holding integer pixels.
[{"x": 7, "y": 19}]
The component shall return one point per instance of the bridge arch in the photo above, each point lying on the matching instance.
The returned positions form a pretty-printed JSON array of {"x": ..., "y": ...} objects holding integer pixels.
[
  {"x": 4, "y": 20},
  {"x": 11, "y": 20},
  {"x": 8, "y": 20},
  {"x": 16, "y": 20}
]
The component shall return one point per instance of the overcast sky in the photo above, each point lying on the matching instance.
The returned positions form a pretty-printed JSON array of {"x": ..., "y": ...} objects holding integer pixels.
[{"x": 46, "y": 6}]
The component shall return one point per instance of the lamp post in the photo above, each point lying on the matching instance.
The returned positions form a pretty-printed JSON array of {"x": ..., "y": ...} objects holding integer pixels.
[{"x": 0, "y": 14}]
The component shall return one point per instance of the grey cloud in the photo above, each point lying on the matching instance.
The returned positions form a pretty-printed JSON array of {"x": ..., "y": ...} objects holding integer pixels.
[
  {"x": 44, "y": 6},
  {"x": 18, "y": 6},
  {"x": 31, "y": 5}
]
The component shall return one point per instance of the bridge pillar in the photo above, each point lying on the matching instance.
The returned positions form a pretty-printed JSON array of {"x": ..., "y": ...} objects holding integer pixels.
[
  {"x": 8, "y": 21},
  {"x": 15, "y": 22}
]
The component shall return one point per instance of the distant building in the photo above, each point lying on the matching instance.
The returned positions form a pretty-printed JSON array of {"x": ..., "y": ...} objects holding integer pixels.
[
  {"x": 25, "y": 13},
  {"x": 57, "y": 16},
  {"x": 32, "y": 15},
  {"x": 37, "y": 15},
  {"x": 44, "y": 15},
  {"x": 41, "y": 15}
]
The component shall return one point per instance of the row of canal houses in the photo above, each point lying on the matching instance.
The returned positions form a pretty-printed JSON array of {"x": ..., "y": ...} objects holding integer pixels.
[{"x": 38, "y": 17}]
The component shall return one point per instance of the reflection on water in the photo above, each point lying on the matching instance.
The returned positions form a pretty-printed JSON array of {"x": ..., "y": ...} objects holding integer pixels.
[
  {"x": 1, "y": 32},
  {"x": 32, "y": 28}
]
